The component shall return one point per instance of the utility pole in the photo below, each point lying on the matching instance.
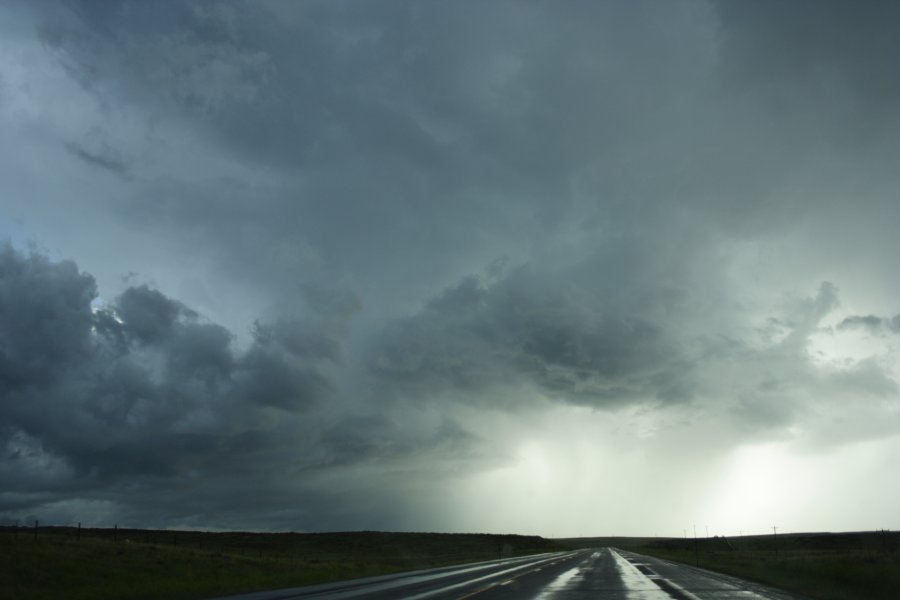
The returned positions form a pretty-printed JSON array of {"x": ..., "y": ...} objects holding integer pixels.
[{"x": 775, "y": 539}]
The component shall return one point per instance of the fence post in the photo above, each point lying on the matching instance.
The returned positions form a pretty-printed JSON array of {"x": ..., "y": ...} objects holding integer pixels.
[
  {"x": 79, "y": 531},
  {"x": 35, "y": 529}
]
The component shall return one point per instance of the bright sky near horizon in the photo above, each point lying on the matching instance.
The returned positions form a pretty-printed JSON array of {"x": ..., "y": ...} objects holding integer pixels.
[{"x": 555, "y": 268}]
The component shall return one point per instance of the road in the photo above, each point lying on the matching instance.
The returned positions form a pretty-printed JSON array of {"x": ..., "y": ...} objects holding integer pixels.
[{"x": 606, "y": 573}]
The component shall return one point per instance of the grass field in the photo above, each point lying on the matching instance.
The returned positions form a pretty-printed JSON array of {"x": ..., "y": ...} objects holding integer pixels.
[
  {"x": 135, "y": 564},
  {"x": 843, "y": 566}
]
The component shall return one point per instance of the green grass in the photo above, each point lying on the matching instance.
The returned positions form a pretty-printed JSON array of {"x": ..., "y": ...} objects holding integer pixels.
[
  {"x": 822, "y": 566},
  {"x": 138, "y": 564}
]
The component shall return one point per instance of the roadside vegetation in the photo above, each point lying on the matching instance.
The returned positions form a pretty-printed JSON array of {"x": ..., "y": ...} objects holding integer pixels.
[
  {"x": 824, "y": 566},
  {"x": 96, "y": 564}
]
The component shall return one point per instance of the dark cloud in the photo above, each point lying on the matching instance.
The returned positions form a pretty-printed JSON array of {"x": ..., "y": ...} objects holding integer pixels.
[
  {"x": 298, "y": 339},
  {"x": 402, "y": 137},
  {"x": 269, "y": 379},
  {"x": 826, "y": 63},
  {"x": 148, "y": 316},
  {"x": 872, "y": 324},
  {"x": 809, "y": 42},
  {"x": 46, "y": 318},
  {"x": 573, "y": 345},
  {"x": 137, "y": 390},
  {"x": 375, "y": 438},
  {"x": 140, "y": 410},
  {"x": 98, "y": 159}
]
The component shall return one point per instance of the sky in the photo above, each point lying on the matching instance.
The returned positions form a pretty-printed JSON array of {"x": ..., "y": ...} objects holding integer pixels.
[{"x": 557, "y": 268}]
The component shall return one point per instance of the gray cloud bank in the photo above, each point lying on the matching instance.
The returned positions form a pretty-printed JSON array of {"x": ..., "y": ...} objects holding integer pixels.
[
  {"x": 535, "y": 329},
  {"x": 139, "y": 390},
  {"x": 139, "y": 409},
  {"x": 143, "y": 408}
]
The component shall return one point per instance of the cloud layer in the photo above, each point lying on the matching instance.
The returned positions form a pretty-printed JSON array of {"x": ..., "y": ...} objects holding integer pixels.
[{"x": 343, "y": 264}]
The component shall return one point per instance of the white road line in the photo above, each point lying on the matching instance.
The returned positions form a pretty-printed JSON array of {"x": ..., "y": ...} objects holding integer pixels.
[{"x": 469, "y": 582}]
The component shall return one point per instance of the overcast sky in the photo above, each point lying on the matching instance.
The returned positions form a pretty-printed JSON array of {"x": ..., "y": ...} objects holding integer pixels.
[{"x": 556, "y": 268}]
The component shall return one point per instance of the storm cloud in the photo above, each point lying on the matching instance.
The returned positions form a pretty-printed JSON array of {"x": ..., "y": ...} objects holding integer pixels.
[
  {"x": 139, "y": 388},
  {"x": 338, "y": 264},
  {"x": 561, "y": 339}
]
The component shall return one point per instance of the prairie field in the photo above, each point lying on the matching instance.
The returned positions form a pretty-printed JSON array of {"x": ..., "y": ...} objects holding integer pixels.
[{"x": 823, "y": 566}]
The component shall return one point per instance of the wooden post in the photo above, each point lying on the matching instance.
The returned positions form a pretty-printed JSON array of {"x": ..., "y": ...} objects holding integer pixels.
[
  {"x": 35, "y": 529},
  {"x": 78, "y": 536}
]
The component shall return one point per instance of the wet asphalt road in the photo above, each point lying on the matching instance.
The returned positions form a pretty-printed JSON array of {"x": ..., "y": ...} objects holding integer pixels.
[
  {"x": 605, "y": 573},
  {"x": 618, "y": 575}
]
